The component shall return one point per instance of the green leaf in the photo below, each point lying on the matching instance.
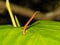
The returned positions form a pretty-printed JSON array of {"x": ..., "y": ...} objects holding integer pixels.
[{"x": 39, "y": 33}]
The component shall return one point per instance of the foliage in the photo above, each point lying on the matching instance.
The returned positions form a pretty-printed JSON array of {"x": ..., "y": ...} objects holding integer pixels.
[{"x": 39, "y": 33}]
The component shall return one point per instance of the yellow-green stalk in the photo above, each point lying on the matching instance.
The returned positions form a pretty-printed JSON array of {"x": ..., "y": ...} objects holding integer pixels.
[
  {"x": 17, "y": 22},
  {"x": 10, "y": 12}
]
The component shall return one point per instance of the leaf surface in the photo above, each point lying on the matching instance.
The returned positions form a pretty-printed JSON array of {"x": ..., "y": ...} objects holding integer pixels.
[{"x": 39, "y": 33}]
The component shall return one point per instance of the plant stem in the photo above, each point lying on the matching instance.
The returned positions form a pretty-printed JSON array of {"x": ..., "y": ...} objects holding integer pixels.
[
  {"x": 16, "y": 19},
  {"x": 10, "y": 12}
]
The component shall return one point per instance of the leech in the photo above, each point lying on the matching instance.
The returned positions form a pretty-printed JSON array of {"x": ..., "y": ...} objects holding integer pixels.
[{"x": 26, "y": 25}]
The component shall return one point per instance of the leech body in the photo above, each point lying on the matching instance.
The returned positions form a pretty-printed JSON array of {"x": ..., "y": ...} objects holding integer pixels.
[{"x": 26, "y": 25}]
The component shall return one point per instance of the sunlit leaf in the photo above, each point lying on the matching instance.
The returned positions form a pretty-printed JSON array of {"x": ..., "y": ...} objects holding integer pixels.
[{"x": 39, "y": 33}]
